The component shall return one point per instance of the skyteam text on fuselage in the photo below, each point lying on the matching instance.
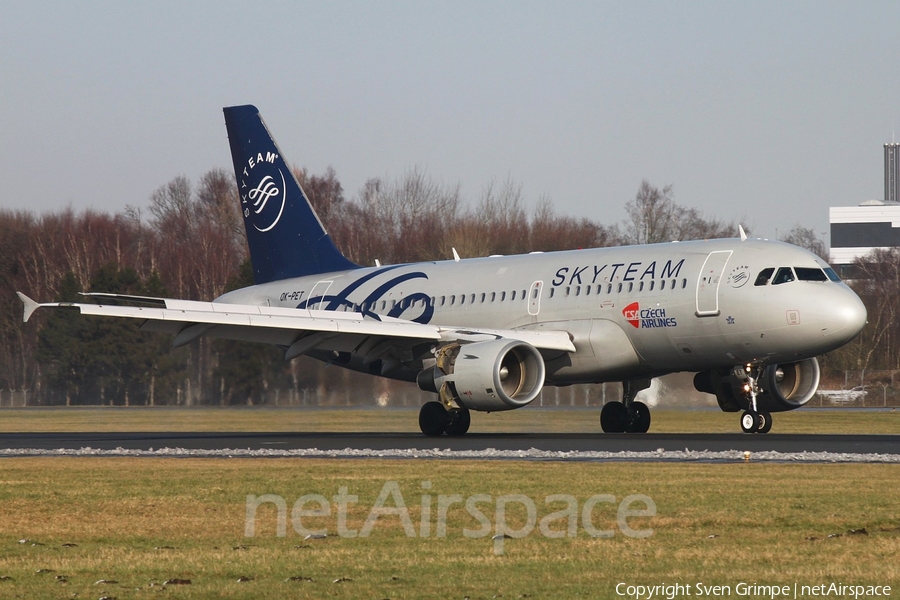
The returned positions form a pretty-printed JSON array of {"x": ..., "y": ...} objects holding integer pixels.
[{"x": 747, "y": 316}]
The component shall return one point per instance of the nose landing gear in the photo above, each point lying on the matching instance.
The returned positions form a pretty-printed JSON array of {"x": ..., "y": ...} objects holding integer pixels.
[{"x": 753, "y": 420}]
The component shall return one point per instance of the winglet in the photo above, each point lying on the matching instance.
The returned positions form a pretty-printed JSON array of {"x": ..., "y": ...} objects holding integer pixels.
[
  {"x": 30, "y": 306},
  {"x": 743, "y": 233}
]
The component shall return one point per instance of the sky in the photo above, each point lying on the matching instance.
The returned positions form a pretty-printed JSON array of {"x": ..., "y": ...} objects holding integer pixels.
[{"x": 764, "y": 113}]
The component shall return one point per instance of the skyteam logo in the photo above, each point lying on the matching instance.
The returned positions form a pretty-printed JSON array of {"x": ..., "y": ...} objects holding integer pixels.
[
  {"x": 739, "y": 276},
  {"x": 263, "y": 192},
  {"x": 647, "y": 317}
]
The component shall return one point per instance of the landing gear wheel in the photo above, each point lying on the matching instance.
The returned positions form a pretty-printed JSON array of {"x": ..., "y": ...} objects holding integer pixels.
[
  {"x": 458, "y": 421},
  {"x": 765, "y": 422},
  {"x": 750, "y": 421},
  {"x": 613, "y": 418},
  {"x": 640, "y": 418},
  {"x": 433, "y": 419}
]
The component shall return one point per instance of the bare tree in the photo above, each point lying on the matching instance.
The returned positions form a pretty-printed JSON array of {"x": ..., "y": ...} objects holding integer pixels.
[
  {"x": 654, "y": 217},
  {"x": 806, "y": 237}
]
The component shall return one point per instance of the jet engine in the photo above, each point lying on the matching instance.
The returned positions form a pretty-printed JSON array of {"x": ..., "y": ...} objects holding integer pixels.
[
  {"x": 783, "y": 387},
  {"x": 499, "y": 374}
]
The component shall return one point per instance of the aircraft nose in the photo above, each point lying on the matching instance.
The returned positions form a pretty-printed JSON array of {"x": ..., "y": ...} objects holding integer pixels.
[{"x": 848, "y": 315}]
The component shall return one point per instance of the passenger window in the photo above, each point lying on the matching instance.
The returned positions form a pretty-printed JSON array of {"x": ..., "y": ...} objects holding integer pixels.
[
  {"x": 810, "y": 274},
  {"x": 619, "y": 289},
  {"x": 630, "y": 287},
  {"x": 472, "y": 299},
  {"x": 493, "y": 296},
  {"x": 577, "y": 290},
  {"x": 462, "y": 299},
  {"x": 662, "y": 284},
  {"x": 784, "y": 275},
  {"x": 502, "y": 296},
  {"x": 452, "y": 299},
  {"x": 483, "y": 297},
  {"x": 764, "y": 276},
  {"x": 551, "y": 291},
  {"x": 568, "y": 291},
  {"x": 683, "y": 283}
]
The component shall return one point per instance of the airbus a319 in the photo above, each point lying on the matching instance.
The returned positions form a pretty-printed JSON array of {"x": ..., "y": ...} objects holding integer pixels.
[{"x": 747, "y": 316}]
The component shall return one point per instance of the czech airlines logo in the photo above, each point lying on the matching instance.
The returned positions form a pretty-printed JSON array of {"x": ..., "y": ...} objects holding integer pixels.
[
  {"x": 647, "y": 317},
  {"x": 264, "y": 202}
]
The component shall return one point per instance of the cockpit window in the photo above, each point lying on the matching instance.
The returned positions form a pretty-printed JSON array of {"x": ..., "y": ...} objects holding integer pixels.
[
  {"x": 784, "y": 275},
  {"x": 832, "y": 275},
  {"x": 810, "y": 274},
  {"x": 764, "y": 276}
]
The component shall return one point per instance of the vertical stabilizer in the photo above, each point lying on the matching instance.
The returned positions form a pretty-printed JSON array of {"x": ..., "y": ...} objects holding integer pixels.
[{"x": 286, "y": 237}]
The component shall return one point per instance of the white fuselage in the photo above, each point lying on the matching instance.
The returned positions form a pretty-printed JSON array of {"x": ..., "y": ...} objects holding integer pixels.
[{"x": 631, "y": 311}]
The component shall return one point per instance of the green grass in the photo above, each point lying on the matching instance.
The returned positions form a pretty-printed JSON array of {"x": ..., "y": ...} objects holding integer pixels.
[
  {"x": 140, "y": 522},
  {"x": 528, "y": 419}
]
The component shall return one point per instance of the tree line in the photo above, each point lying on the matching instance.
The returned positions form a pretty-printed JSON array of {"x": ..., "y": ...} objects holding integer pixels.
[{"x": 189, "y": 242}]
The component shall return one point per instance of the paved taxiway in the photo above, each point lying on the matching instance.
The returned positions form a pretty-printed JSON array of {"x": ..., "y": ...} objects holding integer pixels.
[{"x": 575, "y": 442}]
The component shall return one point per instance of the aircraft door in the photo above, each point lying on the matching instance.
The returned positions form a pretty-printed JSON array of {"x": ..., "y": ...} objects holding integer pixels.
[
  {"x": 708, "y": 283},
  {"x": 534, "y": 298}
]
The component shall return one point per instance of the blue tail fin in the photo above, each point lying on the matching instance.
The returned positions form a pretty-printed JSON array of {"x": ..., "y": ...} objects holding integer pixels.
[{"x": 286, "y": 237}]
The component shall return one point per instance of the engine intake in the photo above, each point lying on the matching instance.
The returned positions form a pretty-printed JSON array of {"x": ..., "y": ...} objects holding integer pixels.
[{"x": 498, "y": 374}]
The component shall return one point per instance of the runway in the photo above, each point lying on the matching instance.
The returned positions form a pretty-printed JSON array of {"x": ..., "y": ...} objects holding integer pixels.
[{"x": 783, "y": 447}]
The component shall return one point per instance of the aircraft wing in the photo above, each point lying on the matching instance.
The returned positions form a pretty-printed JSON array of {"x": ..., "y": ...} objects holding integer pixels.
[{"x": 299, "y": 330}]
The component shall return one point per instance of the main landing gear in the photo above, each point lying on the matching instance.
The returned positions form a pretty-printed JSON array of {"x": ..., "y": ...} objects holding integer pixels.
[
  {"x": 753, "y": 420},
  {"x": 434, "y": 420},
  {"x": 627, "y": 416}
]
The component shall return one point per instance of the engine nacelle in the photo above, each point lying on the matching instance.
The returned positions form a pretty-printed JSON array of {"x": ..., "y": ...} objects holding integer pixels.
[
  {"x": 498, "y": 374},
  {"x": 783, "y": 387}
]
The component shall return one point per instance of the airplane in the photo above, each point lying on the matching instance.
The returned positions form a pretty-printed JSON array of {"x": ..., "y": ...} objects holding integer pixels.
[{"x": 747, "y": 316}]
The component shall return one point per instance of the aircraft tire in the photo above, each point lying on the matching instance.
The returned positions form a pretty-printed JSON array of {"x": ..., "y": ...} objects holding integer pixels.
[
  {"x": 433, "y": 419},
  {"x": 750, "y": 421},
  {"x": 458, "y": 421},
  {"x": 765, "y": 422},
  {"x": 613, "y": 417},
  {"x": 640, "y": 418}
]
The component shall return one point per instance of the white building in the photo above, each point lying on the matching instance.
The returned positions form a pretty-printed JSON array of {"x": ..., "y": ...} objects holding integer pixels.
[{"x": 857, "y": 230}]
